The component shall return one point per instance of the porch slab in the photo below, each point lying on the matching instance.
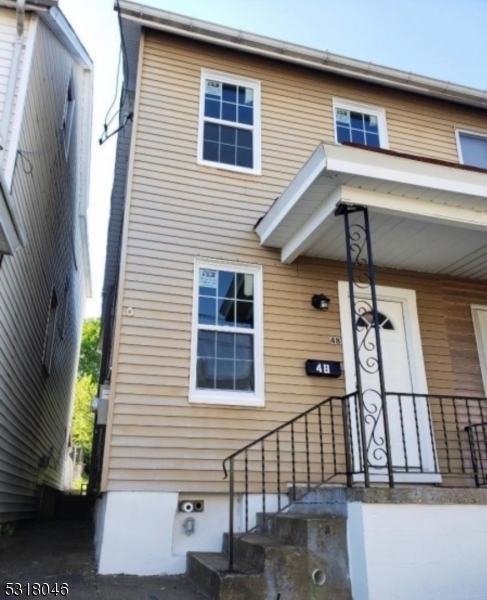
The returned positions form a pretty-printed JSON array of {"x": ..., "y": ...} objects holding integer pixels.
[{"x": 334, "y": 500}]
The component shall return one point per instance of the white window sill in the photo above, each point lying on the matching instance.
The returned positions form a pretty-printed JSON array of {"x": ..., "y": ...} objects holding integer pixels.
[
  {"x": 225, "y": 167},
  {"x": 251, "y": 401}
]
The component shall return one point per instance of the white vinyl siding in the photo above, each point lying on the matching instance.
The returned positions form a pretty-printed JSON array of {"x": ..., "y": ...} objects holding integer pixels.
[{"x": 36, "y": 409}]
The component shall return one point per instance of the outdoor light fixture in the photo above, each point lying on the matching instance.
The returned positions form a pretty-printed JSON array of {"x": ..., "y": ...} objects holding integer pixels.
[{"x": 320, "y": 302}]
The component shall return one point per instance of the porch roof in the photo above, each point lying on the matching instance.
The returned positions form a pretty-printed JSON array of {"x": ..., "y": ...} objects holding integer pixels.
[{"x": 425, "y": 215}]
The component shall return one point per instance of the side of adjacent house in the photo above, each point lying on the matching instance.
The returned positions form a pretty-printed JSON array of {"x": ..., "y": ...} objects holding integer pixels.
[
  {"x": 45, "y": 113},
  {"x": 241, "y": 186}
]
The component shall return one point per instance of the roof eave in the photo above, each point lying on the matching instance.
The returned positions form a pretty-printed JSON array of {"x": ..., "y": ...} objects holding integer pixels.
[{"x": 293, "y": 53}]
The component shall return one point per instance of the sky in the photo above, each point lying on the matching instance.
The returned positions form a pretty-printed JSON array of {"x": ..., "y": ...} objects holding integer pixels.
[{"x": 446, "y": 39}]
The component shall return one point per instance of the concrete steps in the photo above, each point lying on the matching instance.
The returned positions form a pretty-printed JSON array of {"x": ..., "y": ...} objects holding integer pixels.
[{"x": 278, "y": 562}]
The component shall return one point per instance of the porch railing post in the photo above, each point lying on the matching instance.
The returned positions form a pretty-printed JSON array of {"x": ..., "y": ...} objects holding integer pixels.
[
  {"x": 231, "y": 516},
  {"x": 361, "y": 437},
  {"x": 380, "y": 364}
]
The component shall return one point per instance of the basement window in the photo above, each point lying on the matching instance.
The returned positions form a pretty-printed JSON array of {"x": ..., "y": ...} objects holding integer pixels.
[
  {"x": 227, "y": 355},
  {"x": 229, "y": 127},
  {"x": 360, "y": 124},
  {"x": 50, "y": 334},
  {"x": 472, "y": 148}
]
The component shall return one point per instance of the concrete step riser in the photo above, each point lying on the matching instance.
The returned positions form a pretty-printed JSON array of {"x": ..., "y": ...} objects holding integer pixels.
[
  {"x": 220, "y": 586},
  {"x": 326, "y": 538}
]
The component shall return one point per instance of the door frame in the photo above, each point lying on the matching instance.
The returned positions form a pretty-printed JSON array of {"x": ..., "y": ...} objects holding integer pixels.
[
  {"x": 419, "y": 382},
  {"x": 481, "y": 349}
]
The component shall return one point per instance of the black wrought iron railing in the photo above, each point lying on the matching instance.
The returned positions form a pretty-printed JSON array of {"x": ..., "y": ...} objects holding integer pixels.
[
  {"x": 477, "y": 437},
  {"x": 359, "y": 440}
]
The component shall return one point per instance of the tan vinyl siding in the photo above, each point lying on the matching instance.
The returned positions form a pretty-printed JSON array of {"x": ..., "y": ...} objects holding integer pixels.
[
  {"x": 179, "y": 210},
  {"x": 35, "y": 409}
]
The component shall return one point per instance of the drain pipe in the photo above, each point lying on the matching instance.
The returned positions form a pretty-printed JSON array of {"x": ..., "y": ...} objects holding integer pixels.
[{"x": 12, "y": 82}]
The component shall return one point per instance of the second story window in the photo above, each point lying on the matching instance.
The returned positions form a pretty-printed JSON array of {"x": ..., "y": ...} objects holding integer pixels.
[
  {"x": 360, "y": 124},
  {"x": 472, "y": 148},
  {"x": 229, "y": 128}
]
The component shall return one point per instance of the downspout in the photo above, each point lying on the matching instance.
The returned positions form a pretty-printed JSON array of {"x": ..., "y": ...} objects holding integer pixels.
[{"x": 12, "y": 82}]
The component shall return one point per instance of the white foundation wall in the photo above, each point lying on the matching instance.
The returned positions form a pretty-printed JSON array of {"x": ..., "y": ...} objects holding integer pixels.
[
  {"x": 425, "y": 552},
  {"x": 142, "y": 533}
]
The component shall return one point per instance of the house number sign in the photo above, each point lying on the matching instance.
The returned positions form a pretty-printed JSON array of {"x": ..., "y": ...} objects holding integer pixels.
[{"x": 323, "y": 368}]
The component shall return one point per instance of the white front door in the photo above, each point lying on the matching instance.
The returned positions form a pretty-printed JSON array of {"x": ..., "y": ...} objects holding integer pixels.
[{"x": 411, "y": 440}]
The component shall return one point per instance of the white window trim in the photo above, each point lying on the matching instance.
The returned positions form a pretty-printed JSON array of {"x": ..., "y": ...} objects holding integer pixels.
[
  {"x": 458, "y": 131},
  {"x": 481, "y": 349},
  {"x": 68, "y": 115},
  {"x": 257, "y": 128},
  {"x": 375, "y": 111},
  {"x": 225, "y": 397}
]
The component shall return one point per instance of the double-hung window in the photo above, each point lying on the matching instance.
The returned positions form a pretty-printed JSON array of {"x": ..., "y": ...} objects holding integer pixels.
[
  {"x": 229, "y": 128},
  {"x": 360, "y": 124},
  {"x": 227, "y": 352},
  {"x": 472, "y": 148}
]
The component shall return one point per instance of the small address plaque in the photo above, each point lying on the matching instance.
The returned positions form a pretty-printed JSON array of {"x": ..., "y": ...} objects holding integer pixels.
[{"x": 323, "y": 368}]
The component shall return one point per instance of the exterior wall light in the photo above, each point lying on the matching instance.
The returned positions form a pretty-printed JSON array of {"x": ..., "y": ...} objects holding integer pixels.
[{"x": 320, "y": 302}]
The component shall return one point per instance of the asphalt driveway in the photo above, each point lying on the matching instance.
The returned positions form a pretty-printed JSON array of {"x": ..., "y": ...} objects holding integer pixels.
[{"x": 62, "y": 552}]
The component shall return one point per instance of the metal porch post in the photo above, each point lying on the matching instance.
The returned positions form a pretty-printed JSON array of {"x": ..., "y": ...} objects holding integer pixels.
[{"x": 361, "y": 275}]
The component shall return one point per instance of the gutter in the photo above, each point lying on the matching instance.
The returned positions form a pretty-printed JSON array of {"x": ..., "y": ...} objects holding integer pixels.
[{"x": 296, "y": 54}]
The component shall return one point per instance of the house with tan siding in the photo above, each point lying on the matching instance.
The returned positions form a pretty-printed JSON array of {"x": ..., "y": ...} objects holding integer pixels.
[
  {"x": 295, "y": 322},
  {"x": 46, "y": 80}
]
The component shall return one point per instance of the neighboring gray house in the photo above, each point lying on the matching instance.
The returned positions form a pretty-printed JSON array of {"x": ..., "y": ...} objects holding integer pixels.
[{"x": 46, "y": 80}]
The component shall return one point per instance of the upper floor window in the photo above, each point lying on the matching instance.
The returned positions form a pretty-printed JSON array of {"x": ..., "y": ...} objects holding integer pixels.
[
  {"x": 472, "y": 148},
  {"x": 227, "y": 335},
  {"x": 360, "y": 124},
  {"x": 68, "y": 115},
  {"x": 229, "y": 128}
]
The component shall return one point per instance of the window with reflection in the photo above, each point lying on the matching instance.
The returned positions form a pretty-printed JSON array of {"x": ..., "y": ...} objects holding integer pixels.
[
  {"x": 226, "y": 330},
  {"x": 230, "y": 119},
  {"x": 360, "y": 124}
]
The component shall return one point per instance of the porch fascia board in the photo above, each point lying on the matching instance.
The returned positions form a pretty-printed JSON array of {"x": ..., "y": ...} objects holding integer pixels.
[
  {"x": 305, "y": 177},
  {"x": 310, "y": 232},
  {"x": 420, "y": 209}
]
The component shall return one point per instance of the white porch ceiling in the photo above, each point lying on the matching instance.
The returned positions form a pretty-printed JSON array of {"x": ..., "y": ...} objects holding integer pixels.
[{"x": 424, "y": 217}]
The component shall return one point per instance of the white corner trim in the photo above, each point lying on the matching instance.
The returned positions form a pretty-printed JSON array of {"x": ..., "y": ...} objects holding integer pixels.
[
  {"x": 458, "y": 132},
  {"x": 225, "y": 397},
  {"x": 481, "y": 346},
  {"x": 256, "y": 128},
  {"x": 310, "y": 231},
  {"x": 23, "y": 84},
  {"x": 375, "y": 111}
]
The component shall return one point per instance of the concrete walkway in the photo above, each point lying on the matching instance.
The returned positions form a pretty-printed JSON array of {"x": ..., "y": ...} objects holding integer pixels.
[{"x": 62, "y": 552}]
